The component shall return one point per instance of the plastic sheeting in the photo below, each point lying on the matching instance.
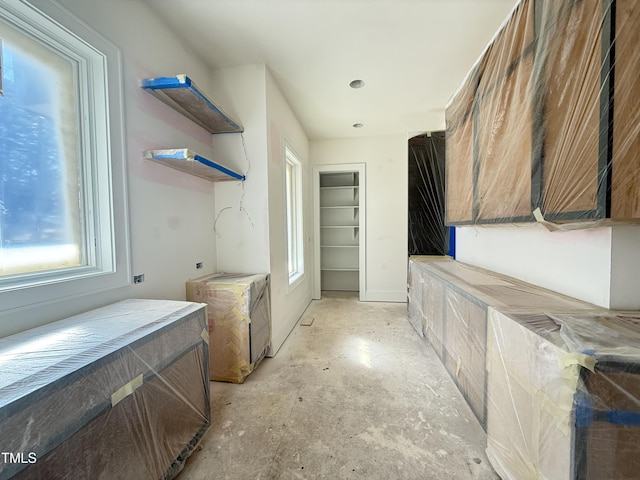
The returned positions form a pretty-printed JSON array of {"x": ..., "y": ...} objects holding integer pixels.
[
  {"x": 239, "y": 319},
  {"x": 546, "y": 125},
  {"x": 554, "y": 381},
  {"x": 448, "y": 304},
  {"x": 564, "y": 396},
  {"x": 428, "y": 234},
  {"x": 117, "y": 392}
]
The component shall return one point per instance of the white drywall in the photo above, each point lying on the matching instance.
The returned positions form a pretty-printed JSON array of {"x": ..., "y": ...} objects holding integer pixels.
[
  {"x": 386, "y": 224},
  {"x": 575, "y": 263},
  {"x": 625, "y": 267},
  {"x": 250, "y": 218},
  {"x": 241, "y": 214},
  {"x": 287, "y": 304},
  {"x": 171, "y": 220}
]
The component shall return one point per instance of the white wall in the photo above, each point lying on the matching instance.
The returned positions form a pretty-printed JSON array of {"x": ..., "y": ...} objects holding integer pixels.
[
  {"x": 625, "y": 265},
  {"x": 178, "y": 219},
  {"x": 242, "y": 226},
  {"x": 287, "y": 305},
  {"x": 596, "y": 265},
  {"x": 170, "y": 212},
  {"x": 575, "y": 263},
  {"x": 250, "y": 227},
  {"x": 386, "y": 223}
]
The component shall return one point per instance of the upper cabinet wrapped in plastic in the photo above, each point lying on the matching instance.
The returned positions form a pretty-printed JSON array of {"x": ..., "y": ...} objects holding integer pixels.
[{"x": 546, "y": 125}]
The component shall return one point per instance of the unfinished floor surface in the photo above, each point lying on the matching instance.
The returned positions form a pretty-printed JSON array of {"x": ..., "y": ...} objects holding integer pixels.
[{"x": 355, "y": 395}]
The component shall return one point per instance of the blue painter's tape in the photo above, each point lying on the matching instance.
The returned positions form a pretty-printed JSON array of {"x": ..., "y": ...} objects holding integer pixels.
[
  {"x": 583, "y": 410},
  {"x": 192, "y": 88},
  {"x": 211, "y": 164},
  {"x": 160, "y": 83},
  {"x": 452, "y": 242},
  {"x": 183, "y": 82},
  {"x": 620, "y": 417}
]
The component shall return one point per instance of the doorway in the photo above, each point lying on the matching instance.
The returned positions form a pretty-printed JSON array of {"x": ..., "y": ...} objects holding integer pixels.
[{"x": 340, "y": 228}]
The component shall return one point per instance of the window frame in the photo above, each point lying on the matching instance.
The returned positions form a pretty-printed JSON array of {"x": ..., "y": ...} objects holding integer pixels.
[
  {"x": 295, "y": 232},
  {"x": 102, "y": 155}
]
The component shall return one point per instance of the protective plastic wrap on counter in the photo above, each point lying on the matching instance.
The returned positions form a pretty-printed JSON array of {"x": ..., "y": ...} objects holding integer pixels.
[
  {"x": 121, "y": 391},
  {"x": 564, "y": 396},
  {"x": 239, "y": 318},
  {"x": 448, "y": 304},
  {"x": 546, "y": 125},
  {"x": 554, "y": 381}
]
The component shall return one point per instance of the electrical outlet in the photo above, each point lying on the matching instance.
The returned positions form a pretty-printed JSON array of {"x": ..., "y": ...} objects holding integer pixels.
[
  {"x": 138, "y": 278},
  {"x": 199, "y": 265}
]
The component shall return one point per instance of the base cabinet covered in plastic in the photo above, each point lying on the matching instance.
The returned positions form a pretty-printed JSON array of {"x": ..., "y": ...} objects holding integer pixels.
[
  {"x": 118, "y": 392},
  {"x": 554, "y": 381},
  {"x": 563, "y": 396}
]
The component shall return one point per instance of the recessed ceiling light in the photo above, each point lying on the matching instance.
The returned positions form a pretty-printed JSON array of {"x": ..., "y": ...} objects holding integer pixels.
[
  {"x": 357, "y": 84},
  {"x": 358, "y": 125}
]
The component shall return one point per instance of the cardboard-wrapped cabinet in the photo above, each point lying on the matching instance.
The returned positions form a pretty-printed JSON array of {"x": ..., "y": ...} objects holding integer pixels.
[
  {"x": 117, "y": 392},
  {"x": 239, "y": 317}
]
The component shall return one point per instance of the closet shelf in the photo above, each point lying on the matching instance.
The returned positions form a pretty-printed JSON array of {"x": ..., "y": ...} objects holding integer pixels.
[
  {"x": 342, "y": 206},
  {"x": 331, "y": 269},
  {"x": 341, "y": 187},
  {"x": 188, "y": 161},
  {"x": 181, "y": 94}
]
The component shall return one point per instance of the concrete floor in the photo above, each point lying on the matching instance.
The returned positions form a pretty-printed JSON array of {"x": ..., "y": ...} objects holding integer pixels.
[{"x": 356, "y": 395}]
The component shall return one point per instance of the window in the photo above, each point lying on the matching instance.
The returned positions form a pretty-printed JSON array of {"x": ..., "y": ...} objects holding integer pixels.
[
  {"x": 293, "y": 192},
  {"x": 63, "y": 225}
]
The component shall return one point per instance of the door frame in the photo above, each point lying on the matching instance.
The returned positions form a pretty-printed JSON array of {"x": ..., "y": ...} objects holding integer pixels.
[{"x": 362, "y": 234}]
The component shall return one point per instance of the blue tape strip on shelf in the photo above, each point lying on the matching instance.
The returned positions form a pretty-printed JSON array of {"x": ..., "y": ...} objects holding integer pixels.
[
  {"x": 166, "y": 82},
  {"x": 211, "y": 164},
  {"x": 199, "y": 94},
  {"x": 183, "y": 81}
]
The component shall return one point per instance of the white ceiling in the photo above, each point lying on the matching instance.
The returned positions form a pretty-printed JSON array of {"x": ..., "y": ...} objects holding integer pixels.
[{"x": 412, "y": 54}]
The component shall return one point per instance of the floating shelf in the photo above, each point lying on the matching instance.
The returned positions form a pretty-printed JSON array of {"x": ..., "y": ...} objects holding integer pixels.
[
  {"x": 187, "y": 161},
  {"x": 182, "y": 94}
]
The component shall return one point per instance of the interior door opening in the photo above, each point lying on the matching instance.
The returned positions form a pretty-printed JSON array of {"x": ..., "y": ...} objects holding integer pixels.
[{"x": 339, "y": 200}]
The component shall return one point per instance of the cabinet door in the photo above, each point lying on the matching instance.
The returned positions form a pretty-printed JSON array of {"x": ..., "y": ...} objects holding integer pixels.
[
  {"x": 503, "y": 123},
  {"x": 625, "y": 183},
  {"x": 489, "y": 132},
  {"x": 504, "y": 119},
  {"x": 570, "y": 54},
  {"x": 459, "y": 184},
  {"x": 465, "y": 340}
]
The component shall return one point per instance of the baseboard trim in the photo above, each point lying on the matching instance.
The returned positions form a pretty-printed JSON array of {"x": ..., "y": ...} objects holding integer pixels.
[{"x": 386, "y": 296}]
